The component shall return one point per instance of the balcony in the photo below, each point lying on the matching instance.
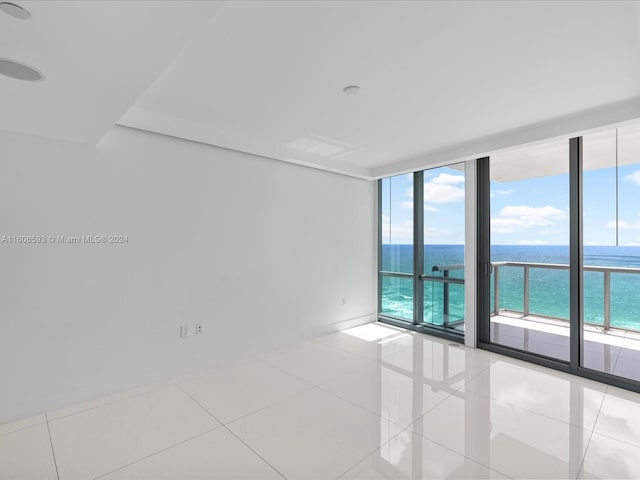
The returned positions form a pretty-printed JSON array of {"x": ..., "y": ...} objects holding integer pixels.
[{"x": 607, "y": 347}]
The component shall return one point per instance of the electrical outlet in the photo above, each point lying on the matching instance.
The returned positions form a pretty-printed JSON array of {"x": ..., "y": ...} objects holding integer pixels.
[
  {"x": 344, "y": 300},
  {"x": 184, "y": 331},
  {"x": 199, "y": 329}
]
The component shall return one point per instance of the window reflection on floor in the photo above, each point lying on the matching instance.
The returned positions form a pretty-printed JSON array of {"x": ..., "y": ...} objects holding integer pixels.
[{"x": 472, "y": 414}]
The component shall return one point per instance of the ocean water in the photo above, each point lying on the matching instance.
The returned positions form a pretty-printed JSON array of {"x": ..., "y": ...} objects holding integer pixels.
[{"x": 548, "y": 289}]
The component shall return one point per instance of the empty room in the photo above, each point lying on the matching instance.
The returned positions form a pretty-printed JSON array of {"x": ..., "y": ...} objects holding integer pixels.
[{"x": 319, "y": 239}]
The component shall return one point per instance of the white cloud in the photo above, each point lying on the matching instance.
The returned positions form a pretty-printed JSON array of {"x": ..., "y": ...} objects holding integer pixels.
[
  {"x": 515, "y": 218},
  {"x": 396, "y": 233},
  {"x": 445, "y": 188},
  {"x": 448, "y": 179},
  {"x": 495, "y": 193},
  {"x": 634, "y": 177},
  {"x": 402, "y": 232},
  {"x": 622, "y": 225}
]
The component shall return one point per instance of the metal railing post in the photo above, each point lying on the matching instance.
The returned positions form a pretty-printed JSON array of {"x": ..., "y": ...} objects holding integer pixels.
[
  {"x": 496, "y": 289},
  {"x": 445, "y": 300},
  {"x": 526, "y": 290},
  {"x": 607, "y": 300},
  {"x": 526, "y": 307}
]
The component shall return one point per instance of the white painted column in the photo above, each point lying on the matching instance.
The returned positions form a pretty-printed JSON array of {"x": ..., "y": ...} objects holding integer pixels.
[{"x": 470, "y": 301}]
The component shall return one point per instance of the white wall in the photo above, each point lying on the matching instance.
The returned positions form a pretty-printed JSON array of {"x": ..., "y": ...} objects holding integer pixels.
[{"x": 261, "y": 252}]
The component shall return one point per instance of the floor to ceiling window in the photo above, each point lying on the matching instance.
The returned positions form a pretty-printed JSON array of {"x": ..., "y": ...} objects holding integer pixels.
[
  {"x": 422, "y": 233},
  {"x": 396, "y": 248},
  {"x": 559, "y": 254},
  {"x": 443, "y": 246},
  {"x": 611, "y": 252}
]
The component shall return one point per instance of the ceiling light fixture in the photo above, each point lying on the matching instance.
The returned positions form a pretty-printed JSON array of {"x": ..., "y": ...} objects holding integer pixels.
[
  {"x": 14, "y": 10},
  {"x": 18, "y": 70},
  {"x": 351, "y": 90}
]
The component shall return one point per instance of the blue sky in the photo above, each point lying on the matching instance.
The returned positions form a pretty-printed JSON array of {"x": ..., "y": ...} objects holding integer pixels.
[
  {"x": 527, "y": 212},
  {"x": 443, "y": 206}
]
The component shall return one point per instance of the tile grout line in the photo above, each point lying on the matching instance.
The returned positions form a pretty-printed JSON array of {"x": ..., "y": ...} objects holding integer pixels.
[
  {"x": 255, "y": 453},
  {"x": 586, "y": 449},
  {"x": 452, "y": 450},
  {"x": 577, "y": 380},
  {"x": 293, "y": 396},
  {"x": 584, "y": 455},
  {"x": 449, "y": 394},
  {"x": 344, "y": 349},
  {"x": 228, "y": 429},
  {"x": 411, "y": 432},
  {"x": 618, "y": 439},
  {"x": 170, "y": 446},
  {"x": 22, "y": 428},
  {"x": 374, "y": 450},
  {"x": 513, "y": 405},
  {"x": 615, "y": 364},
  {"x": 379, "y": 363},
  {"x": 197, "y": 402},
  {"x": 155, "y": 453},
  {"x": 606, "y": 392},
  {"x": 53, "y": 451},
  {"x": 111, "y": 402},
  {"x": 308, "y": 387},
  {"x": 408, "y": 427},
  {"x": 317, "y": 385}
]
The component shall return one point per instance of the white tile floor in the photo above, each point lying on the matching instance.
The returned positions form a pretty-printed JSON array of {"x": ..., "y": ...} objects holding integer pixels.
[{"x": 371, "y": 402}]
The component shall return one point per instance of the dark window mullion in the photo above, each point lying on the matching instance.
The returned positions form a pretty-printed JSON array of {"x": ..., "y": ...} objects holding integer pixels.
[
  {"x": 575, "y": 250},
  {"x": 483, "y": 273}
]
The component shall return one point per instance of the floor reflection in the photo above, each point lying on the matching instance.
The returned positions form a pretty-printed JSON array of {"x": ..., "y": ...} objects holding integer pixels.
[
  {"x": 486, "y": 422},
  {"x": 616, "y": 352}
]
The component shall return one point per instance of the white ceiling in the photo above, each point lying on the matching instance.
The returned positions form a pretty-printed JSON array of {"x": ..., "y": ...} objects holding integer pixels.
[
  {"x": 97, "y": 57},
  {"x": 266, "y": 77}
]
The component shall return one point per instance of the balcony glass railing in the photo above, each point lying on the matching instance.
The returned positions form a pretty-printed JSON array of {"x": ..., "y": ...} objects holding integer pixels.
[
  {"x": 542, "y": 290},
  {"x": 597, "y": 293},
  {"x": 444, "y": 296}
]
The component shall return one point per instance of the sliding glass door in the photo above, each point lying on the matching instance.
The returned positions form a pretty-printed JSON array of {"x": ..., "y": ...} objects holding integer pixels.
[
  {"x": 559, "y": 255},
  {"x": 529, "y": 234}
]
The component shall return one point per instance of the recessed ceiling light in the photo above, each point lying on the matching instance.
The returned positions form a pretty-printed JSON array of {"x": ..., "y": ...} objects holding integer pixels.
[
  {"x": 14, "y": 10},
  {"x": 18, "y": 70},
  {"x": 351, "y": 90}
]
